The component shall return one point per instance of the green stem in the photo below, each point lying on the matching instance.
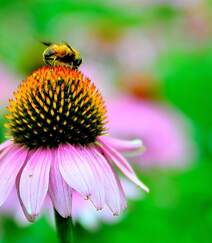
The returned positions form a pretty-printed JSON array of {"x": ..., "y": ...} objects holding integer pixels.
[{"x": 64, "y": 228}]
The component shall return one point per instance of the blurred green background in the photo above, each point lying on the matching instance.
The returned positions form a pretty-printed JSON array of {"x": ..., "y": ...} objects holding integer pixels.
[{"x": 167, "y": 41}]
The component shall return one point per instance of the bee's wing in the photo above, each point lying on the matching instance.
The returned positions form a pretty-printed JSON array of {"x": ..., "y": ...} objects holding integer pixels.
[
  {"x": 68, "y": 45},
  {"x": 46, "y": 43}
]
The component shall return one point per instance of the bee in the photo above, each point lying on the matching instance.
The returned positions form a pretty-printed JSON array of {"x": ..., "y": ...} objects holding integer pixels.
[{"x": 61, "y": 53}]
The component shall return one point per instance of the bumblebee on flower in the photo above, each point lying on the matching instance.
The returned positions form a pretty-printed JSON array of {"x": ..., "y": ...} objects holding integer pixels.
[{"x": 59, "y": 144}]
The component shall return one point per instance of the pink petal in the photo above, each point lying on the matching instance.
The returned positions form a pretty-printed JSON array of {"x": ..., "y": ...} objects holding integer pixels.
[
  {"x": 5, "y": 144},
  {"x": 59, "y": 191},
  {"x": 98, "y": 192},
  {"x": 34, "y": 181},
  {"x": 114, "y": 195},
  {"x": 78, "y": 172},
  {"x": 10, "y": 164},
  {"x": 133, "y": 147},
  {"x": 122, "y": 164}
]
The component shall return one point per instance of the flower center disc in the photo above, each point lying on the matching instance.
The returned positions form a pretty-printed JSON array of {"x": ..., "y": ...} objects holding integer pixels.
[{"x": 56, "y": 105}]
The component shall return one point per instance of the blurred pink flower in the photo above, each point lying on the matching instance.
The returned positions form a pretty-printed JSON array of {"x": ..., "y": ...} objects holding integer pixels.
[
  {"x": 164, "y": 131},
  {"x": 138, "y": 49},
  {"x": 7, "y": 84}
]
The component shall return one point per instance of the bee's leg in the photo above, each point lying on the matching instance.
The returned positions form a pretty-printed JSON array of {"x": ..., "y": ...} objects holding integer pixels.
[{"x": 53, "y": 61}]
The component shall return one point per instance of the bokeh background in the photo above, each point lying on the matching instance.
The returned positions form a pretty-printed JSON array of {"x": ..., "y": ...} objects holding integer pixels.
[{"x": 152, "y": 60}]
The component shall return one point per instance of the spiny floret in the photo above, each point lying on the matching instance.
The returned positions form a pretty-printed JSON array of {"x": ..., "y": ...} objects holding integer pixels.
[{"x": 56, "y": 105}]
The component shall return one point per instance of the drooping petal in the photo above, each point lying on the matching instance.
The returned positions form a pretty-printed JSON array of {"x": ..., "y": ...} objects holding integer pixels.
[
  {"x": 122, "y": 164},
  {"x": 59, "y": 191},
  {"x": 10, "y": 165},
  {"x": 34, "y": 181},
  {"x": 124, "y": 146},
  {"x": 114, "y": 195},
  {"x": 98, "y": 192},
  {"x": 78, "y": 172}
]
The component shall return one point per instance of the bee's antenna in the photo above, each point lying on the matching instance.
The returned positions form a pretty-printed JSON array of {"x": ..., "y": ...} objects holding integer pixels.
[{"x": 46, "y": 43}]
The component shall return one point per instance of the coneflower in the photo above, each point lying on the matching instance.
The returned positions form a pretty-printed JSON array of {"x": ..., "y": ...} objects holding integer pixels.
[{"x": 59, "y": 144}]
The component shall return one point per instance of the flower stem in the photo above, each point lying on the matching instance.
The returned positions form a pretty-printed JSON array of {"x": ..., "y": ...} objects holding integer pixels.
[{"x": 64, "y": 228}]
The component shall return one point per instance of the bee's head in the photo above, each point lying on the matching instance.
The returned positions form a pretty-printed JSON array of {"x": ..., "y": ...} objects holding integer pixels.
[
  {"x": 49, "y": 52},
  {"x": 77, "y": 58},
  {"x": 77, "y": 62}
]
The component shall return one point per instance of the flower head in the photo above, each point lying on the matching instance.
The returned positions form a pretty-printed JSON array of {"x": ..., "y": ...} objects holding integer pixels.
[
  {"x": 57, "y": 123},
  {"x": 54, "y": 106}
]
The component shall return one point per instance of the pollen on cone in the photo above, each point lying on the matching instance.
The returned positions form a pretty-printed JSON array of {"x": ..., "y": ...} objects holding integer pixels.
[{"x": 56, "y": 105}]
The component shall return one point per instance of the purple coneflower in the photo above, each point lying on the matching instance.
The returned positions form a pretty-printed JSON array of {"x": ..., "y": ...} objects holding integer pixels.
[{"x": 57, "y": 123}]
